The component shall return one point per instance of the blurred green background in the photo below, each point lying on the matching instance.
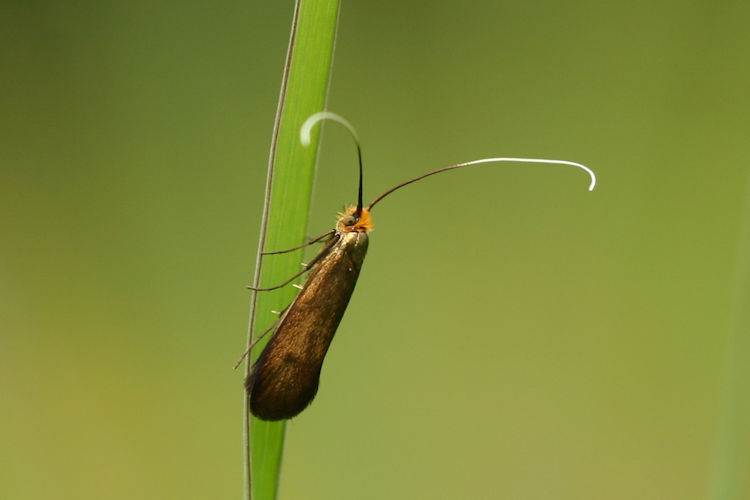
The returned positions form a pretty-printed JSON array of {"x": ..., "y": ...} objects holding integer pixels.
[{"x": 512, "y": 335}]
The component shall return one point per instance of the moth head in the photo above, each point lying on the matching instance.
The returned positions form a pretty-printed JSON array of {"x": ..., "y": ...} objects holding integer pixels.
[{"x": 350, "y": 222}]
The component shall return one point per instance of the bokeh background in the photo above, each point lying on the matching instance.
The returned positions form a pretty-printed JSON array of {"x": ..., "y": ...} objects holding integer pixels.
[{"x": 512, "y": 335}]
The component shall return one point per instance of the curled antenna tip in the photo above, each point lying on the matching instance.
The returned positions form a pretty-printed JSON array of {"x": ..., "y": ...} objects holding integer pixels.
[
  {"x": 312, "y": 120},
  {"x": 487, "y": 160},
  {"x": 304, "y": 135},
  {"x": 591, "y": 173}
]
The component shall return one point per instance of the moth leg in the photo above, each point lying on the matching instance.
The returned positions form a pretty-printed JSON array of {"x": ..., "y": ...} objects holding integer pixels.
[
  {"x": 265, "y": 332},
  {"x": 314, "y": 240},
  {"x": 309, "y": 266}
]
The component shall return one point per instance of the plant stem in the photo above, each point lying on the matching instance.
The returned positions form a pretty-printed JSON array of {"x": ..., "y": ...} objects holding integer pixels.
[{"x": 291, "y": 167}]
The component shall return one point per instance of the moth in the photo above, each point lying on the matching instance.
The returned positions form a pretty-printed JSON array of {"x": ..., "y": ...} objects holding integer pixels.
[{"x": 284, "y": 379}]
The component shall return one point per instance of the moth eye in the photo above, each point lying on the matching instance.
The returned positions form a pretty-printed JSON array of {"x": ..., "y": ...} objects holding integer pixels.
[{"x": 349, "y": 220}]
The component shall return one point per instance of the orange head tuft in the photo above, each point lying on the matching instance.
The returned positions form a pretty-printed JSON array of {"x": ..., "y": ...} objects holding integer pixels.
[{"x": 349, "y": 223}]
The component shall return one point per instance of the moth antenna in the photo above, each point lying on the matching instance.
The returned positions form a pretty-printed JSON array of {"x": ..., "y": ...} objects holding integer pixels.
[
  {"x": 488, "y": 160},
  {"x": 305, "y": 139}
]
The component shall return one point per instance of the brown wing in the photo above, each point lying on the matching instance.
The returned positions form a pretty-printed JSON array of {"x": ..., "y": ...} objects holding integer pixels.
[{"x": 284, "y": 380}]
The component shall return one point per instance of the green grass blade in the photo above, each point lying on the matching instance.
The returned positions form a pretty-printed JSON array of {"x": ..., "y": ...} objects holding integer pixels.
[
  {"x": 732, "y": 461},
  {"x": 287, "y": 203}
]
